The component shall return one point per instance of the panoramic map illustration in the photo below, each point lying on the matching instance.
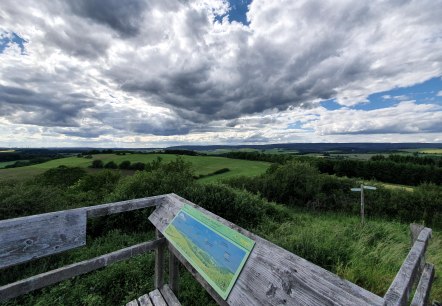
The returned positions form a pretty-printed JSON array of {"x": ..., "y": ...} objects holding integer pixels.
[{"x": 214, "y": 250}]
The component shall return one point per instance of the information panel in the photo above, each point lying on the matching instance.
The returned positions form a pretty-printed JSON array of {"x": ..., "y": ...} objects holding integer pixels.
[{"x": 216, "y": 251}]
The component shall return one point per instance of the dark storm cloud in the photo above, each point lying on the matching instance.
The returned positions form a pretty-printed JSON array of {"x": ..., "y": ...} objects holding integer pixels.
[
  {"x": 122, "y": 16},
  {"x": 78, "y": 41},
  {"x": 22, "y": 105},
  {"x": 84, "y": 132},
  {"x": 139, "y": 122}
]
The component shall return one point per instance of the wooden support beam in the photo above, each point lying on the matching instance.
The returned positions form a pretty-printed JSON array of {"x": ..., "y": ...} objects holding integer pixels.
[
  {"x": 159, "y": 262},
  {"x": 423, "y": 288},
  {"x": 174, "y": 272},
  {"x": 45, "y": 279}
]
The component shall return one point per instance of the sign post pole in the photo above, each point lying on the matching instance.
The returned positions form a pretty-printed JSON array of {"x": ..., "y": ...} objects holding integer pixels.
[
  {"x": 362, "y": 205},
  {"x": 361, "y": 190}
]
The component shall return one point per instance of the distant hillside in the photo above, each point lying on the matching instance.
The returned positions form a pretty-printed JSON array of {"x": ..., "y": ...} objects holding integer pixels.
[{"x": 320, "y": 147}]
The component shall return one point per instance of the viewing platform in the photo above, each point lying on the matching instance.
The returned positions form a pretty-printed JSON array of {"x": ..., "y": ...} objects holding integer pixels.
[{"x": 255, "y": 271}]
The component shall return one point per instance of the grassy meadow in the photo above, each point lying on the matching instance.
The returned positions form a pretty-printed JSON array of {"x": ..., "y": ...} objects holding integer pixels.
[
  {"x": 203, "y": 165},
  {"x": 4, "y": 164},
  {"x": 312, "y": 215}
]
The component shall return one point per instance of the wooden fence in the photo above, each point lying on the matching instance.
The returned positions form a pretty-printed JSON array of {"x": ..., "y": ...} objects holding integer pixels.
[{"x": 271, "y": 276}]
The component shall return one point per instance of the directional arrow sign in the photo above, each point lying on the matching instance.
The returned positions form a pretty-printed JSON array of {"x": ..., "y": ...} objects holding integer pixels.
[
  {"x": 355, "y": 189},
  {"x": 370, "y": 187}
]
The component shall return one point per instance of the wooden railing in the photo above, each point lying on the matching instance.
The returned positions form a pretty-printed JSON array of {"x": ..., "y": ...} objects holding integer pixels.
[
  {"x": 272, "y": 275},
  {"x": 28, "y": 238},
  {"x": 414, "y": 268}
]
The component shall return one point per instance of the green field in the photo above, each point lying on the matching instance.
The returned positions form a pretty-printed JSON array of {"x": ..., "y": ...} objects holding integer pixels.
[
  {"x": 4, "y": 164},
  {"x": 424, "y": 151},
  {"x": 203, "y": 165},
  {"x": 397, "y": 186},
  {"x": 267, "y": 151}
]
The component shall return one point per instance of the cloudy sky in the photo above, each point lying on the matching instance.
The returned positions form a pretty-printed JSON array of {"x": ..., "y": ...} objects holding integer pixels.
[{"x": 139, "y": 73}]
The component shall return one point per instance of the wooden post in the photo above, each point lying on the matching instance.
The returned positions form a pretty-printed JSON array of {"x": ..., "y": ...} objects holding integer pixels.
[
  {"x": 159, "y": 263},
  {"x": 362, "y": 205},
  {"x": 415, "y": 230},
  {"x": 174, "y": 276}
]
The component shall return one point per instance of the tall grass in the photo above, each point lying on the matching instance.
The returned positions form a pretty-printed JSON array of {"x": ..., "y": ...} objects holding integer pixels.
[{"x": 368, "y": 255}]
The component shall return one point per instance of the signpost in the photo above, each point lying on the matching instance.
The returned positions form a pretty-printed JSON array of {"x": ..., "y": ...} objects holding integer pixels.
[
  {"x": 361, "y": 190},
  {"x": 216, "y": 251}
]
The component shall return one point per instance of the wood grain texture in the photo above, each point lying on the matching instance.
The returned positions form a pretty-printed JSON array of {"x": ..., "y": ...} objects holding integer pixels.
[
  {"x": 159, "y": 263},
  {"x": 174, "y": 272},
  {"x": 27, "y": 238},
  {"x": 45, "y": 279},
  {"x": 132, "y": 303},
  {"x": 399, "y": 292},
  {"x": 423, "y": 288},
  {"x": 272, "y": 275},
  {"x": 156, "y": 298},
  {"x": 123, "y": 206},
  {"x": 415, "y": 230},
  {"x": 169, "y": 296},
  {"x": 144, "y": 300}
]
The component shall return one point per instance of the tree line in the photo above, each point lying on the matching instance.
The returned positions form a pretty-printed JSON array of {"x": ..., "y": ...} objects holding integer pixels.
[
  {"x": 384, "y": 170},
  {"x": 302, "y": 185}
]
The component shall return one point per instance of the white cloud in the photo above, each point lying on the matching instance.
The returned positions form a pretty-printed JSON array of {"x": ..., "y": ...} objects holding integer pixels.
[
  {"x": 165, "y": 72},
  {"x": 404, "y": 118}
]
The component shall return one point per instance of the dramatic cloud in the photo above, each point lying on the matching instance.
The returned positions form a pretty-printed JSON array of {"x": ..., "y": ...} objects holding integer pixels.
[
  {"x": 405, "y": 118},
  {"x": 177, "y": 71}
]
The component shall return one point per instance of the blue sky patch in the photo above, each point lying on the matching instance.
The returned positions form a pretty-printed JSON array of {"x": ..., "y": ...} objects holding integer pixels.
[
  {"x": 331, "y": 104},
  {"x": 14, "y": 39},
  {"x": 238, "y": 11},
  {"x": 422, "y": 93}
]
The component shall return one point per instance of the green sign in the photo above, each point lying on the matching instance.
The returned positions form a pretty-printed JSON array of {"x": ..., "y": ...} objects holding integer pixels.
[{"x": 216, "y": 251}]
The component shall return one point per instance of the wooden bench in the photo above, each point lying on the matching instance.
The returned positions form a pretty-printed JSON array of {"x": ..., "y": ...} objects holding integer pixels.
[
  {"x": 270, "y": 276},
  {"x": 158, "y": 297}
]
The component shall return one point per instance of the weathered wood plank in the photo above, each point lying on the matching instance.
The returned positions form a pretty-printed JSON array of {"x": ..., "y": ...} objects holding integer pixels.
[
  {"x": 399, "y": 291},
  {"x": 415, "y": 230},
  {"x": 123, "y": 206},
  {"x": 174, "y": 272},
  {"x": 132, "y": 303},
  {"x": 159, "y": 263},
  {"x": 27, "y": 238},
  {"x": 424, "y": 287},
  {"x": 144, "y": 300},
  {"x": 45, "y": 279},
  {"x": 272, "y": 275},
  {"x": 169, "y": 296},
  {"x": 156, "y": 298}
]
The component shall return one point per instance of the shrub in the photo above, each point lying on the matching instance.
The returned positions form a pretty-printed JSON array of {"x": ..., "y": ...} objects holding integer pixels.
[
  {"x": 97, "y": 163},
  {"x": 174, "y": 176},
  {"x": 124, "y": 165},
  {"x": 137, "y": 166},
  {"x": 240, "y": 207},
  {"x": 111, "y": 165},
  {"x": 61, "y": 176}
]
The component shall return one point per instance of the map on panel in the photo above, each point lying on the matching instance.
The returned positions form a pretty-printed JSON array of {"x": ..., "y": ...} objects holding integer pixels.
[{"x": 216, "y": 251}]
